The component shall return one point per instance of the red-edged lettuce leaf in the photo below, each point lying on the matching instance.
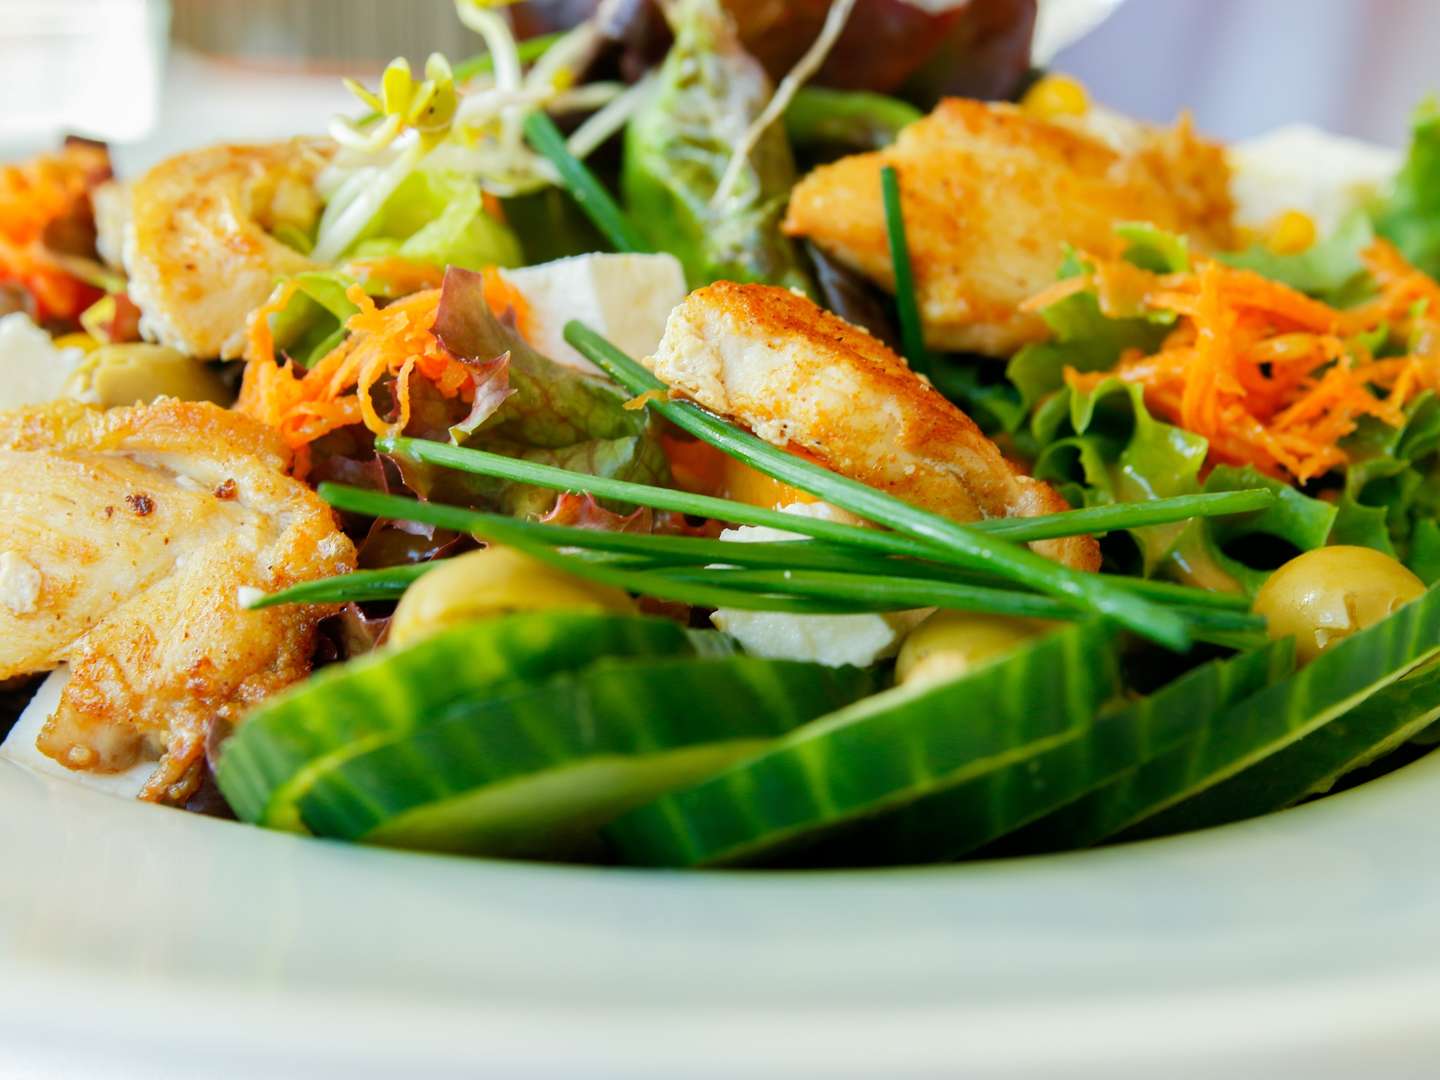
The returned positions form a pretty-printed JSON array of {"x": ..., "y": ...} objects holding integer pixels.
[{"x": 548, "y": 405}]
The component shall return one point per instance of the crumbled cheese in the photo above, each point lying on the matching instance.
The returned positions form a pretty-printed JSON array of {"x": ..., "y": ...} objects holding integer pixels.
[
  {"x": 626, "y": 298},
  {"x": 19, "y": 746},
  {"x": 332, "y": 547},
  {"x": 1299, "y": 167},
  {"x": 246, "y": 595},
  {"x": 32, "y": 370},
  {"x": 835, "y": 640},
  {"x": 19, "y": 583}
]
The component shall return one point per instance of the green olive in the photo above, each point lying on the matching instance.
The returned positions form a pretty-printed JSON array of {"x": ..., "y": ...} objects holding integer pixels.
[
  {"x": 950, "y": 643},
  {"x": 494, "y": 581},
  {"x": 1330, "y": 593},
  {"x": 130, "y": 373}
]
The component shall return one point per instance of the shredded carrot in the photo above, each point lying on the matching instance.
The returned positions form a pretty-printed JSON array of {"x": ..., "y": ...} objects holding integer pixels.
[
  {"x": 389, "y": 344},
  {"x": 34, "y": 195},
  {"x": 1271, "y": 377}
]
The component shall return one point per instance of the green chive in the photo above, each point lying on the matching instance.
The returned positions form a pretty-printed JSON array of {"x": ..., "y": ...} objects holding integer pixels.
[
  {"x": 1024, "y": 529},
  {"x": 1115, "y": 516},
  {"x": 962, "y": 545},
  {"x": 599, "y": 206},
  {"x": 912, "y": 330},
  {"x": 660, "y": 551},
  {"x": 362, "y": 585},
  {"x": 904, "y": 593},
  {"x": 484, "y": 463}
]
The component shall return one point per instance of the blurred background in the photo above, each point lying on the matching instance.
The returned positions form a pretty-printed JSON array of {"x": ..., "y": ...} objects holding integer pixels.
[{"x": 156, "y": 75}]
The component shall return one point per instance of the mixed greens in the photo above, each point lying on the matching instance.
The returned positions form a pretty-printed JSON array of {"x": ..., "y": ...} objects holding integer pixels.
[
  {"x": 1160, "y": 706},
  {"x": 524, "y": 666}
]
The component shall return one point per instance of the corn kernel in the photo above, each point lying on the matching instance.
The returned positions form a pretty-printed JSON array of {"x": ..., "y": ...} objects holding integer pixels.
[
  {"x": 1056, "y": 95},
  {"x": 1290, "y": 233},
  {"x": 77, "y": 341}
]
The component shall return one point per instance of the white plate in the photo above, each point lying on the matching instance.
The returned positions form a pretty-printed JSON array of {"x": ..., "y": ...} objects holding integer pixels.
[{"x": 135, "y": 941}]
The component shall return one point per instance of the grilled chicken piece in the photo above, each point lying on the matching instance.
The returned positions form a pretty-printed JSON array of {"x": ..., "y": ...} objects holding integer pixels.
[
  {"x": 806, "y": 380},
  {"x": 194, "y": 236},
  {"x": 993, "y": 195},
  {"x": 127, "y": 541}
]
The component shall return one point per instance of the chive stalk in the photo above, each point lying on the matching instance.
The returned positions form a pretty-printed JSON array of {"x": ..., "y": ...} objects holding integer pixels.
[
  {"x": 950, "y": 542},
  {"x": 912, "y": 329},
  {"x": 826, "y": 577},
  {"x": 584, "y": 187}
]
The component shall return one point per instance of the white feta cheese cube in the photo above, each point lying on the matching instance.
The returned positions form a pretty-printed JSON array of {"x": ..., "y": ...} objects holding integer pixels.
[
  {"x": 1298, "y": 167},
  {"x": 834, "y": 640},
  {"x": 32, "y": 370},
  {"x": 627, "y": 298}
]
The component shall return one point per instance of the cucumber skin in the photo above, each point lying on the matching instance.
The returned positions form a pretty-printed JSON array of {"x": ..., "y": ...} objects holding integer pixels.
[
  {"x": 1374, "y": 727},
  {"x": 1255, "y": 729},
  {"x": 899, "y": 745},
  {"x": 346, "y": 709},
  {"x": 957, "y": 822},
  {"x": 623, "y": 713}
]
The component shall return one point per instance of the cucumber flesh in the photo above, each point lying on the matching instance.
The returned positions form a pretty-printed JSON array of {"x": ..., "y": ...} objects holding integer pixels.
[
  {"x": 879, "y": 754},
  {"x": 274, "y": 757},
  {"x": 1367, "y": 732},
  {"x": 958, "y": 821},
  {"x": 534, "y": 773},
  {"x": 555, "y": 813}
]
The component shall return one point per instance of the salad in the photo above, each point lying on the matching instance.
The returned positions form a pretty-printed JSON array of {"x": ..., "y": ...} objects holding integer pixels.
[{"x": 687, "y": 435}]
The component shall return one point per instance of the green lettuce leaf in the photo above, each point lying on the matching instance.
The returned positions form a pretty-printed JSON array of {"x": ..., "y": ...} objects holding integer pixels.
[
  {"x": 1391, "y": 495},
  {"x": 1410, "y": 215},
  {"x": 313, "y": 322},
  {"x": 1082, "y": 336},
  {"x": 1330, "y": 269},
  {"x": 991, "y": 402},
  {"x": 1103, "y": 446},
  {"x": 1155, "y": 249},
  {"x": 440, "y": 219}
]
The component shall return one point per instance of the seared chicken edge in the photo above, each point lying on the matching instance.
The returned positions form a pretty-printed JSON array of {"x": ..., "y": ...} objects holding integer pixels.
[
  {"x": 804, "y": 379},
  {"x": 129, "y": 542}
]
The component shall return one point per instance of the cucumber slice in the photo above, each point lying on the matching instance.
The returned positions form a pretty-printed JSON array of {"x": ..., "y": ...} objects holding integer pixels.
[
  {"x": 272, "y": 759},
  {"x": 1372, "y": 729},
  {"x": 535, "y": 773},
  {"x": 958, "y": 821},
  {"x": 1252, "y": 730},
  {"x": 881, "y": 753}
]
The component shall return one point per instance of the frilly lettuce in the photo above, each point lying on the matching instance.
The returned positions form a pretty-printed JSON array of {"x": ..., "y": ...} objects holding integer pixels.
[
  {"x": 1410, "y": 215},
  {"x": 1082, "y": 336},
  {"x": 1391, "y": 496},
  {"x": 1103, "y": 446}
]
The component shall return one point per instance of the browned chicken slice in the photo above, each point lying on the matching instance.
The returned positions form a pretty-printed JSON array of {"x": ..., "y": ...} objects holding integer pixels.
[
  {"x": 129, "y": 541},
  {"x": 992, "y": 195},
  {"x": 804, "y": 379},
  {"x": 195, "y": 237}
]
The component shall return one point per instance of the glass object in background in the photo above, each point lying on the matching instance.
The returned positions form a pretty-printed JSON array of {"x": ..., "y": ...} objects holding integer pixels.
[
  {"x": 321, "y": 35},
  {"x": 83, "y": 67}
]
